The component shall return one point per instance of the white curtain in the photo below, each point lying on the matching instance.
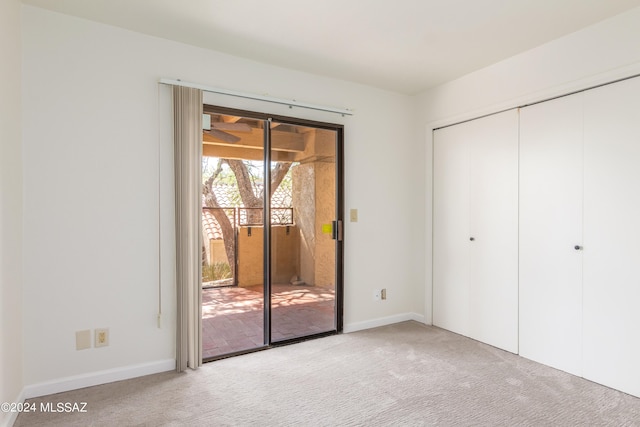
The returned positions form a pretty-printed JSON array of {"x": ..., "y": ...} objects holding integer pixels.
[{"x": 187, "y": 113}]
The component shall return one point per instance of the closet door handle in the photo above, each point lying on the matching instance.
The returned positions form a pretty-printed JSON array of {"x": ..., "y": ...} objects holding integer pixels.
[
  {"x": 472, "y": 238},
  {"x": 577, "y": 247}
]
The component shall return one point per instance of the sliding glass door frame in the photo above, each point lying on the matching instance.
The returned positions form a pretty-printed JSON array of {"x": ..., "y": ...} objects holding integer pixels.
[
  {"x": 266, "y": 241},
  {"x": 266, "y": 218}
]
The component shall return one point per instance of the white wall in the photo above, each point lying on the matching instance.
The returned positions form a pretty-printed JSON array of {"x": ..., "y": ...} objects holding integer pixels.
[
  {"x": 598, "y": 54},
  {"x": 10, "y": 208},
  {"x": 92, "y": 109}
]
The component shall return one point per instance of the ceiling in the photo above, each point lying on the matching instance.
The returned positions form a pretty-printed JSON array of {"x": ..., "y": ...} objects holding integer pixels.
[{"x": 405, "y": 46}]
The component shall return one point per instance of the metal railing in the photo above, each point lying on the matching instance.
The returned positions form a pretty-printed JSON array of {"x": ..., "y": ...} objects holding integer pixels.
[{"x": 253, "y": 216}]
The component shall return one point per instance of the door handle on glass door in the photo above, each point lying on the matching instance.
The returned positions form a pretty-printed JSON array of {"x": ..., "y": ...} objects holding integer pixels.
[{"x": 336, "y": 230}]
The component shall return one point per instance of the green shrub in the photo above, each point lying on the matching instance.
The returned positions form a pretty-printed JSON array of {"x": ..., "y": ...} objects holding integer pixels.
[{"x": 216, "y": 271}]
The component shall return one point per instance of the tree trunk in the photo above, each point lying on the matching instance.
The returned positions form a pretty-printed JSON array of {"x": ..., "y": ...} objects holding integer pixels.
[
  {"x": 277, "y": 175},
  {"x": 228, "y": 232},
  {"x": 245, "y": 186}
]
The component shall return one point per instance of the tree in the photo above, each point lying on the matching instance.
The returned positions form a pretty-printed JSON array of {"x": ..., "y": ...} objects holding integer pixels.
[
  {"x": 211, "y": 201},
  {"x": 246, "y": 183}
]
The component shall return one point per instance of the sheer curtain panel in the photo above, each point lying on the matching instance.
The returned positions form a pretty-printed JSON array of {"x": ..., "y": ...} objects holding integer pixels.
[{"x": 187, "y": 113}]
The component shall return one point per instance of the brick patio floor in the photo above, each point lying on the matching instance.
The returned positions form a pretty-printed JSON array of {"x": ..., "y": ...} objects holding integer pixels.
[{"x": 232, "y": 317}]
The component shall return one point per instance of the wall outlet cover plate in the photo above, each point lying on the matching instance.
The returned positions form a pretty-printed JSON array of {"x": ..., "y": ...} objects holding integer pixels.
[{"x": 102, "y": 337}]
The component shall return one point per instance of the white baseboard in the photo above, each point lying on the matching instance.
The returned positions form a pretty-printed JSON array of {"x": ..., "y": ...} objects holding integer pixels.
[
  {"x": 418, "y": 318},
  {"x": 96, "y": 378},
  {"x": 382, "y": 321},
  {"x": 11, "y": 418}
]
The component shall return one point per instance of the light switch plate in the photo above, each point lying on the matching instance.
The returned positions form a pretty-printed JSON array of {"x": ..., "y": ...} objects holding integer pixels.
[
  {"x": 353, "y": 215},
  {"x": 83, "y": 339}
]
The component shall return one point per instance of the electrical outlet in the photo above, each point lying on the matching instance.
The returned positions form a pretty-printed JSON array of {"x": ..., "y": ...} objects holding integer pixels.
[
  {"x": 377, "y": 294},
  {"x": 102, "y": 337}
]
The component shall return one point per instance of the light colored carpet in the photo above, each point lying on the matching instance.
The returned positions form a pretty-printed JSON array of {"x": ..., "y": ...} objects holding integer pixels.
[{"x": 406, "y": 374}]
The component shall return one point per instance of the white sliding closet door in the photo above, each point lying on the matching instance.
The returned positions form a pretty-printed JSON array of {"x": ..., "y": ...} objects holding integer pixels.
[
  {"x": 612, "y": 236},
  {"x": 551, "y": 180},
  {"x": 493, "y": 269},
  {"x": 451, "y": 307},
  {"x": 476, "y": 229}
]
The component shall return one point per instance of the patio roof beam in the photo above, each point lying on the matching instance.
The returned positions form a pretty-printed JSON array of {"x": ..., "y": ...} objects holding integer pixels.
[
  {"x": 281, "y": 141},
  {"x": 243, "y": 153}
]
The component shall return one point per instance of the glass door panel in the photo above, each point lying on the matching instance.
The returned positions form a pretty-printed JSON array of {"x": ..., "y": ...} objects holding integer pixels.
[
  {"x": 232, "y": 234},
  {"x": 253, "y": 298},
  {"x": 303, "y": 246}
]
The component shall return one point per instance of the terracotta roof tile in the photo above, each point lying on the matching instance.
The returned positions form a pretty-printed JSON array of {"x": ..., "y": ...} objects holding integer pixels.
[{"x": 211, "y": 226}]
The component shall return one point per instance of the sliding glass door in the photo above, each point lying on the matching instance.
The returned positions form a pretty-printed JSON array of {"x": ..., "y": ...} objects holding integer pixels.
[
  {"x": 272, "y": 247},
  {"x": 232, "y": 230},
  {"x": 303, "y": 248}
]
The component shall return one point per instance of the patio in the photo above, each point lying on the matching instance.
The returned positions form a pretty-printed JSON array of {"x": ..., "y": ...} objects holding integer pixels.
[{"x": 232, "y": 317}]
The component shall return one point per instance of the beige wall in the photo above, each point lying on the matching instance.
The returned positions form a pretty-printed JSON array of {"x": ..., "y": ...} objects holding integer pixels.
[
  {"x": 11, "y": 200},
  {"x": 325, "y": 263},
  {"x": 285, "y": 255},
  {"x": 217, "y": 252},
  {"x": 304, "y": 213},
  {"x": 250, "y": 256},
  {"x": 314, "y": 206}
]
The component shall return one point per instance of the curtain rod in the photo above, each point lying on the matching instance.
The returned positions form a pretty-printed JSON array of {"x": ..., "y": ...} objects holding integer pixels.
[{"x": 290, "y": 103}]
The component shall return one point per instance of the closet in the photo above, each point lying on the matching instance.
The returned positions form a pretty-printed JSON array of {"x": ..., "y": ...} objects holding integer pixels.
[
  {"x": 579, "y": 233},
  {"x": 576, "y": 252},
  {"x": 475, "y": 273},
  {"x": 551, "y": 242},
  {"x": 611, "y": 284}
]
